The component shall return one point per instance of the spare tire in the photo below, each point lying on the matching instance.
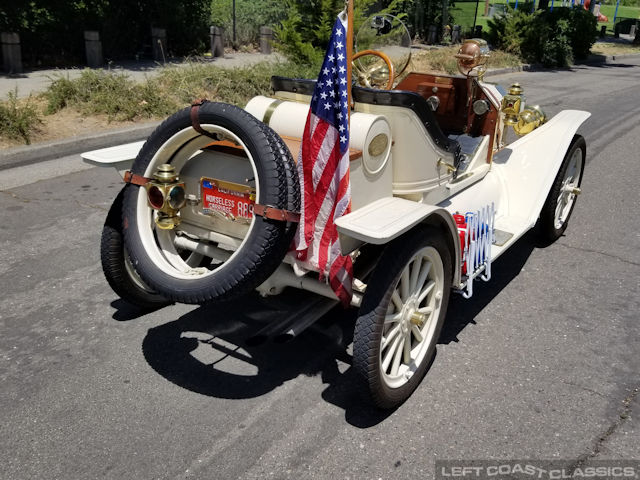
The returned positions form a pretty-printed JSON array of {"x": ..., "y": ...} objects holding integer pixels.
[{"x": 254, "y": 256}]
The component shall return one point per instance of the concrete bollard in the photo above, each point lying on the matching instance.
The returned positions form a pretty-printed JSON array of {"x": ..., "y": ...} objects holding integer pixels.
[
  {"x": 93, "y": 48},
  {"x": 217, "y": 42},
  {"x": 159, "y": 44},
  {"x": 433, "y": 35},
  {"x": 455, "y": 34},
  {"x": 266, "y": 39},
  {"x": 632, "y": 30},
  {"x": 11, "y": 54},
  {"x": 478, "y": 31},
  {"x": 603, "y": 31}
]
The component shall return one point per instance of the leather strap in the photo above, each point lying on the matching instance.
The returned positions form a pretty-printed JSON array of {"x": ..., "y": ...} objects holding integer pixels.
[
  {"x": 135, "y": 178},
  {"x": 276, "y": 213},
  {"x": 195, "y": 118}
]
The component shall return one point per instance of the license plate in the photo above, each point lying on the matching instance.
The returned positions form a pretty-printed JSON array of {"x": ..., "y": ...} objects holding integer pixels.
[{"x": 232, "y": 200}]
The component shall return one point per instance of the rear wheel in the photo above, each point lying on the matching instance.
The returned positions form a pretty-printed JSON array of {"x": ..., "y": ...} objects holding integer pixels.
[
  {"x": 559, "y": 205},
  {"x": 401, "y": 316},
  {"x": 118, "y": 271}
]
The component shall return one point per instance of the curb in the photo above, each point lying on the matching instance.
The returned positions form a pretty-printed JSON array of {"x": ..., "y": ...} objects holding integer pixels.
[
  {"x": 597, "y": 60},
  {"x": 502, "y": 71},
  {"x": 29, "y": 154},
  {"x": 609, "y": 59}
]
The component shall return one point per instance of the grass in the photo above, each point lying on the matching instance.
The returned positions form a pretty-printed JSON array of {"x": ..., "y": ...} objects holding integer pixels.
[
  {"x": 113, "y": 94},
  {"x": 120, "y": 98},
  {"x": 623, "y": 12},
  {"x": 19, "y": 119},
  {"x": 463, "y": 13},
  {"x": 611, "y": 48},
  {"x": 442, "y": 60}
]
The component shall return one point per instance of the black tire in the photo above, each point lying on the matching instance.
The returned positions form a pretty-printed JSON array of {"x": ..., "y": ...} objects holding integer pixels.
[
  {"x": 120, "y": 275},
  {"x": 267, "y": 241},
  {"x": 550, "y": 226},
  {"x": 379, "y": 386},
  {"x": 291, "y": 172}
]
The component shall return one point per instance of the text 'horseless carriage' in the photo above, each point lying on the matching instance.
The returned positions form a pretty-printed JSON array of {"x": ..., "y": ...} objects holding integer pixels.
[{"x": 437, "y": 193}]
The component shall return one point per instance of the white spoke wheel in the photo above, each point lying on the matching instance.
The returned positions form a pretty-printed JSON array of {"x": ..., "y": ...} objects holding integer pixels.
[
  {"x": 562, "y": 197},
  {"x": 401, "y": 316}
]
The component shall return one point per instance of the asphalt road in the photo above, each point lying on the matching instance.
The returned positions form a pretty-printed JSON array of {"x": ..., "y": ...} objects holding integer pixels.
[{"x": 542, "y": 363}]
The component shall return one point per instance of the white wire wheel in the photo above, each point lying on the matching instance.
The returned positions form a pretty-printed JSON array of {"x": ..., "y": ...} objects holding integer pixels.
[
  {"x": 401, "y": 316},
  {"x": 564, "y": 191}
]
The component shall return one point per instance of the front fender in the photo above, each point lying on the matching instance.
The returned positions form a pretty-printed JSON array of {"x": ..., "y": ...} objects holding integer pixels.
[{"x": 529, "y": 165}]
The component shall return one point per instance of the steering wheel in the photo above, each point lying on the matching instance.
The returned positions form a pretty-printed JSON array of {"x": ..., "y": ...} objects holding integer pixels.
[{"x": 373, "y": 76}]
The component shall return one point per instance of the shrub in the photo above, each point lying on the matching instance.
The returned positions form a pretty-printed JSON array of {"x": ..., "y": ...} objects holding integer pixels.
[
  {"x": 303, "y": 35},
  {"x": 556, "y": 51},
  {"x": 18, "y": 119},
  {"x": 515, "y": 32},
  {"x": 250, "y": 16},
  {"x": 553, "y": 38},
  {"x": 579, "y": 24}
]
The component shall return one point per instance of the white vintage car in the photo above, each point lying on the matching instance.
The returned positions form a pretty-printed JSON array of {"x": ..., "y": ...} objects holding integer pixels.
[{"x": 438, "y": 193}]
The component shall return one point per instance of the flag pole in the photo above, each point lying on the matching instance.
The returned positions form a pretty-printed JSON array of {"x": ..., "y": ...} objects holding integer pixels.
[{"x": 349, "y": 51}]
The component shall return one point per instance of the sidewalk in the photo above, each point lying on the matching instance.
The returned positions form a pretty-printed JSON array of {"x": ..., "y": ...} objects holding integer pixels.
[{"x": 38, "y": 80}]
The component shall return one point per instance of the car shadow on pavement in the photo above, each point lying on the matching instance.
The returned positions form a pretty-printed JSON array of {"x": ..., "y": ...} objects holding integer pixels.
[
  {"x": 209, "y": 350},
  {"x": 124, "y": 311}
]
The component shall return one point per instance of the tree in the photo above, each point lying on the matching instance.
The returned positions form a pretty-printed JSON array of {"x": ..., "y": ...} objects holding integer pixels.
[{"x": 51, "y": 31}]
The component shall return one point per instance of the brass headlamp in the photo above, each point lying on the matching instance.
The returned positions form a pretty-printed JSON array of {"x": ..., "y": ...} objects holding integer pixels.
[
  {"x": 530, "y": 119},
  {"x": 512, "y": 103},
  {"x": 167, "y": 196},
  {"x": 523, "y": 119}
]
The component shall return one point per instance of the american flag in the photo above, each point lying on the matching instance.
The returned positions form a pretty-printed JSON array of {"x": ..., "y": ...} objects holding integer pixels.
[{"x": 323, "y": 168}]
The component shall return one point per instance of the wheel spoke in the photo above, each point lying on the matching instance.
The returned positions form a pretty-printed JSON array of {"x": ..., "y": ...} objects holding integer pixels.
[
  {"x": 399, "y": 347},
  {"x": 560, "y": 208},
  {"x": 393, "y": 317},
  {"x": 404, "y": 284},
  {"x": 426, "y": 291},
  {"x": 417, "y": 333},
  {"x": 426, "y": 310},
  {"x": 390, "y": 354},
  {"x": 390, "y": 336},
  {"x": 395, "y": 298},
  {"x": 415, "y": 271},
  {"x": 407, "y": 349},
  {"x": 426, "y": 268}
]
